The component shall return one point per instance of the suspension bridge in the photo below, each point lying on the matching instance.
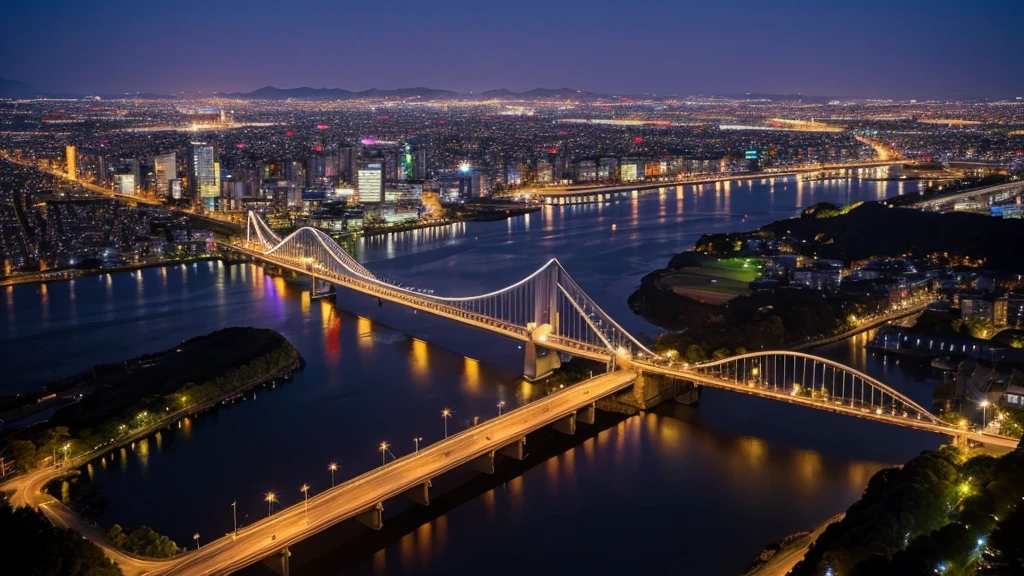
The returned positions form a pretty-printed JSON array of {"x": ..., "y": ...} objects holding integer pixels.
[{"x": 551, "y": 314}]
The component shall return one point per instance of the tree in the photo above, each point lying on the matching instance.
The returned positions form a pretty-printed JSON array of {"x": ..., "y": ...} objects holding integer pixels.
[
  {"x": 31, "y": 545},
  {"x": 694, "y": 354},
  {"x": 117, "y": 536},
  {"x": 720, "y": 354},
  {"x": 24, "y": 454},
  {"x": 1006, "y": 544}
]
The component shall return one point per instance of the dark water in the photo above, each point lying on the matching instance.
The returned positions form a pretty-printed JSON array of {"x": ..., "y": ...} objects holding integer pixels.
[{"x": 706, "y": 487}]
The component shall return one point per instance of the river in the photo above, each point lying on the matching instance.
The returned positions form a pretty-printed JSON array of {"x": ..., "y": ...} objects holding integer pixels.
[{"x": 692, "y": 489}]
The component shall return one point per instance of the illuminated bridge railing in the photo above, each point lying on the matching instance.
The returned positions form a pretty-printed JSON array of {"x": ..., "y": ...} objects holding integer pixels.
[{"x": 805, "y": 376}]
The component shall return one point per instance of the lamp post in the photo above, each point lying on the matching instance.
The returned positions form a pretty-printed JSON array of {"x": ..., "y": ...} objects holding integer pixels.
[
  {"x": 234, "y": 515},
  {"x": 500, "y": 406},
  {"x": 271, "y": 498},
  {"x": 417, "y": 441},
  {"x": 196, "y": 538},
  {"x": 384, "y": 453},
  {"x": 984, "y": 414},
  {"x": 305, "y": 501},
  {"x": 333, "y": 467},
  {"x": 445, "y": 414}
]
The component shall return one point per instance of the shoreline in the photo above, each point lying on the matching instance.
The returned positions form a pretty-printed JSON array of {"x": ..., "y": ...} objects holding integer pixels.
[
  {"x": 792, "y": 550},
  {"x": 29, "y": 489},
  {"x": 76, "y": 273}
]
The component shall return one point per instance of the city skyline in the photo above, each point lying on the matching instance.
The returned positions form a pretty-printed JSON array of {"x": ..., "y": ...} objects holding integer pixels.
[{"x": 914, "y": 50}]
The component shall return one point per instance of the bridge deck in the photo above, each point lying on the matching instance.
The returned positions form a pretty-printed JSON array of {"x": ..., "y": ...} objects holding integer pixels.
[
  {"x": 351, "y": 498},
  {"x": 423, "y": 304}
]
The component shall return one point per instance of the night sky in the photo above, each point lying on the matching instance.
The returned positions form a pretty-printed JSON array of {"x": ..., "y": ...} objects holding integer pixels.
[{"x": 866, "y": 48}]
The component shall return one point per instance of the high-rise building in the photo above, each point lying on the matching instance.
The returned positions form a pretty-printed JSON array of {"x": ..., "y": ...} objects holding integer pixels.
[
  {"x": 174, "y": 188},
  {"x": 125, "y": 184},
  {"x": 419, "y": 162},
  {"x": 316, "y": 171},
  {"x": 205, "y": 172},
  {"x": 72, "y": 162},
  {"x": 165, "y": 169},
  {"x": 371, "y": 181}
]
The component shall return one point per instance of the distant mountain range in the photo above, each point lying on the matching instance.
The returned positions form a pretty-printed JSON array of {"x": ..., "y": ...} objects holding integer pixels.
[
  {"x": 16, "y": 89},
  {"x": 306, "y": 93}
]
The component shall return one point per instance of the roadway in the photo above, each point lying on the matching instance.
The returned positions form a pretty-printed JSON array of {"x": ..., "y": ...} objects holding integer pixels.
[
  {"x": 584, "y": 190},
  {"x": 271, "y": 535},
  {"x": 943, "y": 200},
  {"x": 829, "y": 405}
]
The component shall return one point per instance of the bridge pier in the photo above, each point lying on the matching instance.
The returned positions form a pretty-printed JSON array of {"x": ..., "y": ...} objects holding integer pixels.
[
  {"x": 586, "y": 414},
  {"x": 280, "y": 563},
  {"x": 420, "y": 494},
  {"x": 566, "y": 425},
  {"x": 648, "y": 391},
  {"x": 484, "y": 463},
  {"x": 373, "y": 518},
  {"x": 515, "y": 450},
  {"x": 539, "y": 362}
]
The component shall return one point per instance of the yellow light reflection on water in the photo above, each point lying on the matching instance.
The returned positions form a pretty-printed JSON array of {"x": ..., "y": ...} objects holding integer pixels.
[
  {"x": 304, "y": 302},
  {"x": 808, "y": 466},
  {"x": 380, "y": 562},
  {"x": 419, "y": 360},
  {"x": 471, "y": 371},
  {"x": 159, "y": 441},
  {"x": 755, "y": 450},
  {"x": 424, "y": 543},
  {"x": 407, "y": 551},
  {"x": 364, "y": 328},
  {"x": 186, "y": 427}
]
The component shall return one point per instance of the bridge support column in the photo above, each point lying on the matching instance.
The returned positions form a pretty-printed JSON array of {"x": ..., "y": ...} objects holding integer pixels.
[
  {"x": 280, "y": 563},
  {"x": 566, "y": 425},
  {"x": 420, "y": 494},
  {"x": 960, "y": 441},
  {"x": 648, "y": 391},
  {"x": 586, "y": 414},
  {"x": 373, "y": 518},
  {"x": 484, "y": 463},
  {"x": 515, "y": 450},
  {"x": 539, "y": 362}
]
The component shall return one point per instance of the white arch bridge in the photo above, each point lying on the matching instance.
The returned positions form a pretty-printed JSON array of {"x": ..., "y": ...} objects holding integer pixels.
[{"x": 549, "y": 312}]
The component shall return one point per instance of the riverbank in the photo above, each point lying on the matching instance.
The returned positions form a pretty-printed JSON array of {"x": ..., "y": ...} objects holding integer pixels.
[
  {"x": 778, "y": 559},
  {"x": 75, "y": 273},
  {"x": 109, "y": 405}
]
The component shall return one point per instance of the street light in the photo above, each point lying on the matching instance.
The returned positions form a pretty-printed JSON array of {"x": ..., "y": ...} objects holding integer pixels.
[
  {"x": 500, "y": 406},
  {"x": 234, "y": 515},
  {"x": 196, "y": 538},
  {"x": 333, "y": 467},
  {"x": 271, "y": 498},
  {"x": 305, "y": 500},
  {"x": 417, "y": 441},
  {"x": 445, "y": 414},
  {"x": 384, "y": 453},
  {"x": 984, "y": 414}
]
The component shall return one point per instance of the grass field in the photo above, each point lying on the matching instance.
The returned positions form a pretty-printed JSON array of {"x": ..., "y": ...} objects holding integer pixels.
[{"x": 716, "y": 280}]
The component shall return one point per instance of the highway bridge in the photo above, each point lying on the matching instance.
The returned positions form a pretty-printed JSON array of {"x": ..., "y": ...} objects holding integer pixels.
[
  {"x": 578, "y": 194},
  {"x": 985, "y": 196}
]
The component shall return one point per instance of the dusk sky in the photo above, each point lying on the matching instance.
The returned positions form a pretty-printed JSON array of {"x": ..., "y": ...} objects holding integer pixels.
[{"x": 867, "y": 48}]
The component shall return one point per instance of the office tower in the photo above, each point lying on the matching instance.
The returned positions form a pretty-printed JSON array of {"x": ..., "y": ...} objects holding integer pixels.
[
  {"x": 419, "y": 162},
  {"x": 72, "y": 162},
  {"x": 371, "y": 181},
  {"x": 165, "y": 169},
  {"x": 125, "y": 184},
  {"x": 406, "y": 171},
  {"x": 316, "y": 170},
  {"x": 101, "y": 170},
  {"x": 347, "y": 157},
  {"x": 174, "y": 188},
  {"x": 205, "y": 172}
]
